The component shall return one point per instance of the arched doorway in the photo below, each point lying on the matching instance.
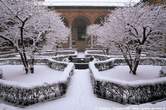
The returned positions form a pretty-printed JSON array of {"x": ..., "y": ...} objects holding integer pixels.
[{"x": 79, "y": 27}]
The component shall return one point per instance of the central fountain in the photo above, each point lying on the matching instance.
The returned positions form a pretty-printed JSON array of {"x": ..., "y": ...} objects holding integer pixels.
[{"x": 81, "y": 62}]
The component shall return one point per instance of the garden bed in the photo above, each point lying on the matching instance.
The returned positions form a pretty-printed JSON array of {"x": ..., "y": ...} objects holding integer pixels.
[
  {"x": 42, "y": 74},
  {"x": 111, "y": 80},
  {"x": 50, "y": 81},
  {"x": 121, "y": 73}
]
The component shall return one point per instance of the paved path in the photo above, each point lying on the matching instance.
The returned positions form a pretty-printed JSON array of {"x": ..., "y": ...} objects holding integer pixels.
[{"x": 79, "y": 96}]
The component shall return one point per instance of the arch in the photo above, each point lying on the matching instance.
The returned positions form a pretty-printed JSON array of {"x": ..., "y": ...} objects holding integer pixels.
[
  {"x": 79, "y": 27},
  {"x": 65, "y": 21},
  {"x": 100, "y": 20}
]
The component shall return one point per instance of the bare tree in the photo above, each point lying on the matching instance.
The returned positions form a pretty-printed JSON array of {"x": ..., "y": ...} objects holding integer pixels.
[{"x": 22, "y": 21}]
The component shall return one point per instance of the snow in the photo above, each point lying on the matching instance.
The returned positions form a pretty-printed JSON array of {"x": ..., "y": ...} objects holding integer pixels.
[
  {"x": 15, "y": 75},
  {"x": 80, "y": 97},
  {"x": 147, "y": 75},
  {"x": 149, "y": 106},
  {"x": 89, "y": 2},
  {"x": 80, "y": 55},
  {"x": 144, "y": 72},
  {"x": 163, "y": 68}
]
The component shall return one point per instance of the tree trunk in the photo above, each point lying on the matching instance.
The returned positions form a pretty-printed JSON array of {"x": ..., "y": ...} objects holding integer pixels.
[
  {"x": 23, "y": 53},
  {"x": 136, "y": 60},
  {"x": 32, "y": 60}
]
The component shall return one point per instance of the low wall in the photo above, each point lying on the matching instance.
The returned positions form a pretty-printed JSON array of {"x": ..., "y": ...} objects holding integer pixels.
[
  {"x": 128, "y": 92},
  {"x": 23, "y": 95}
]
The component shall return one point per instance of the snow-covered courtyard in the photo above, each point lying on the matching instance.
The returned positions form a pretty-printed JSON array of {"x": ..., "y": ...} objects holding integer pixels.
[
  {"x": 80, "y": 97},
  {"x": 82, "y": 55}
]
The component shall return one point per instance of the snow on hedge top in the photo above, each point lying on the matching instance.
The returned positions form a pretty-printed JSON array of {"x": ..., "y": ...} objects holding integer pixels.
[{"x": 105, "y": 3}]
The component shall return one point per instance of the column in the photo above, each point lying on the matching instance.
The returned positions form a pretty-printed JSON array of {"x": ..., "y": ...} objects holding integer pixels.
[{"x": 70, "y": 41}]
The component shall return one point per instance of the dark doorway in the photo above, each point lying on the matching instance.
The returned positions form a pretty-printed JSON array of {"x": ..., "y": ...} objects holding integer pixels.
[{"x": 79, "y": 28}]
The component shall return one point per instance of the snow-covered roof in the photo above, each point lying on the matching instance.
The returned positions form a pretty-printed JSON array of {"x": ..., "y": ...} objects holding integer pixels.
[{"x": 93, "y": 3}]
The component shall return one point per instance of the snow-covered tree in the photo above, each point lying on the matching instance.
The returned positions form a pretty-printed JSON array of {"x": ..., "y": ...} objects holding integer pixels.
[
  {"x": 134, "y": 30},
  {"x": 92, "y": 33},
  {"x": 25, "y": 25}
]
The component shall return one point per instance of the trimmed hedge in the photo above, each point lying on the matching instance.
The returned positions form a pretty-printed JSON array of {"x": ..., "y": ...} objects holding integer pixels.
[
  {"x": 24, "y": 96},
  {"x": 128, "y": 93},
  {"x": 27, "y": 96},
  {"x": 105, "y": 65}
]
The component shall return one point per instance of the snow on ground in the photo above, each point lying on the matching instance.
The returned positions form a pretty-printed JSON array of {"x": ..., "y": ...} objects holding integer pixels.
[
  {"x": 43, "y": 74},
  {"x": 81, "y": 55},
  {"x": 144, "y": 72},
  {"x": 80, "y": 97}
]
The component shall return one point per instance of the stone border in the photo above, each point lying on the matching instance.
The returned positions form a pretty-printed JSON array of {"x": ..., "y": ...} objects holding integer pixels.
[
  {"x": 23, "y": 95},
  {"x": 128, "y": 92}
]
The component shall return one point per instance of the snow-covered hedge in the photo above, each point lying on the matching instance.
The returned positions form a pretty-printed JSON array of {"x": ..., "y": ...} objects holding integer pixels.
[
  {"x": 67, "y": 52},
  {"x": 27, "y": 94},
  {"x": 8, "y": 55},
  {"x": 108, "y": 64},
  {"x": 63, "y": 57},
  {"x": 98, "y": 57},
  {"x": 57, "y": 65},
  {"x": 58, "y": 52},
  {"x": 97, "y": 54},
  {"x": 124, "y": 92},
  {"x": 94, "y": 51}
]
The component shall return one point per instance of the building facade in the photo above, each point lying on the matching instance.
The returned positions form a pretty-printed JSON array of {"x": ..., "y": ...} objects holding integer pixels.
[
  {"x": 78, "y": 14},
  {"x": 77, "y": 19}
]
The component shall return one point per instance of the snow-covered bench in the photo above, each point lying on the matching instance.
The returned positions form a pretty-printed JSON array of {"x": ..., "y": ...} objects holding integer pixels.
[{"x": 163, "y": 71}]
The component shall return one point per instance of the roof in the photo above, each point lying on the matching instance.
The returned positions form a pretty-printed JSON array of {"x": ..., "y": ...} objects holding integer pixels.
[{"x": 93, "y": 3}]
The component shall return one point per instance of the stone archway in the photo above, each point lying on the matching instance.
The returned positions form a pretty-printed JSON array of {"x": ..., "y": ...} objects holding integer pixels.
[{"x": 79, "y": 38}]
